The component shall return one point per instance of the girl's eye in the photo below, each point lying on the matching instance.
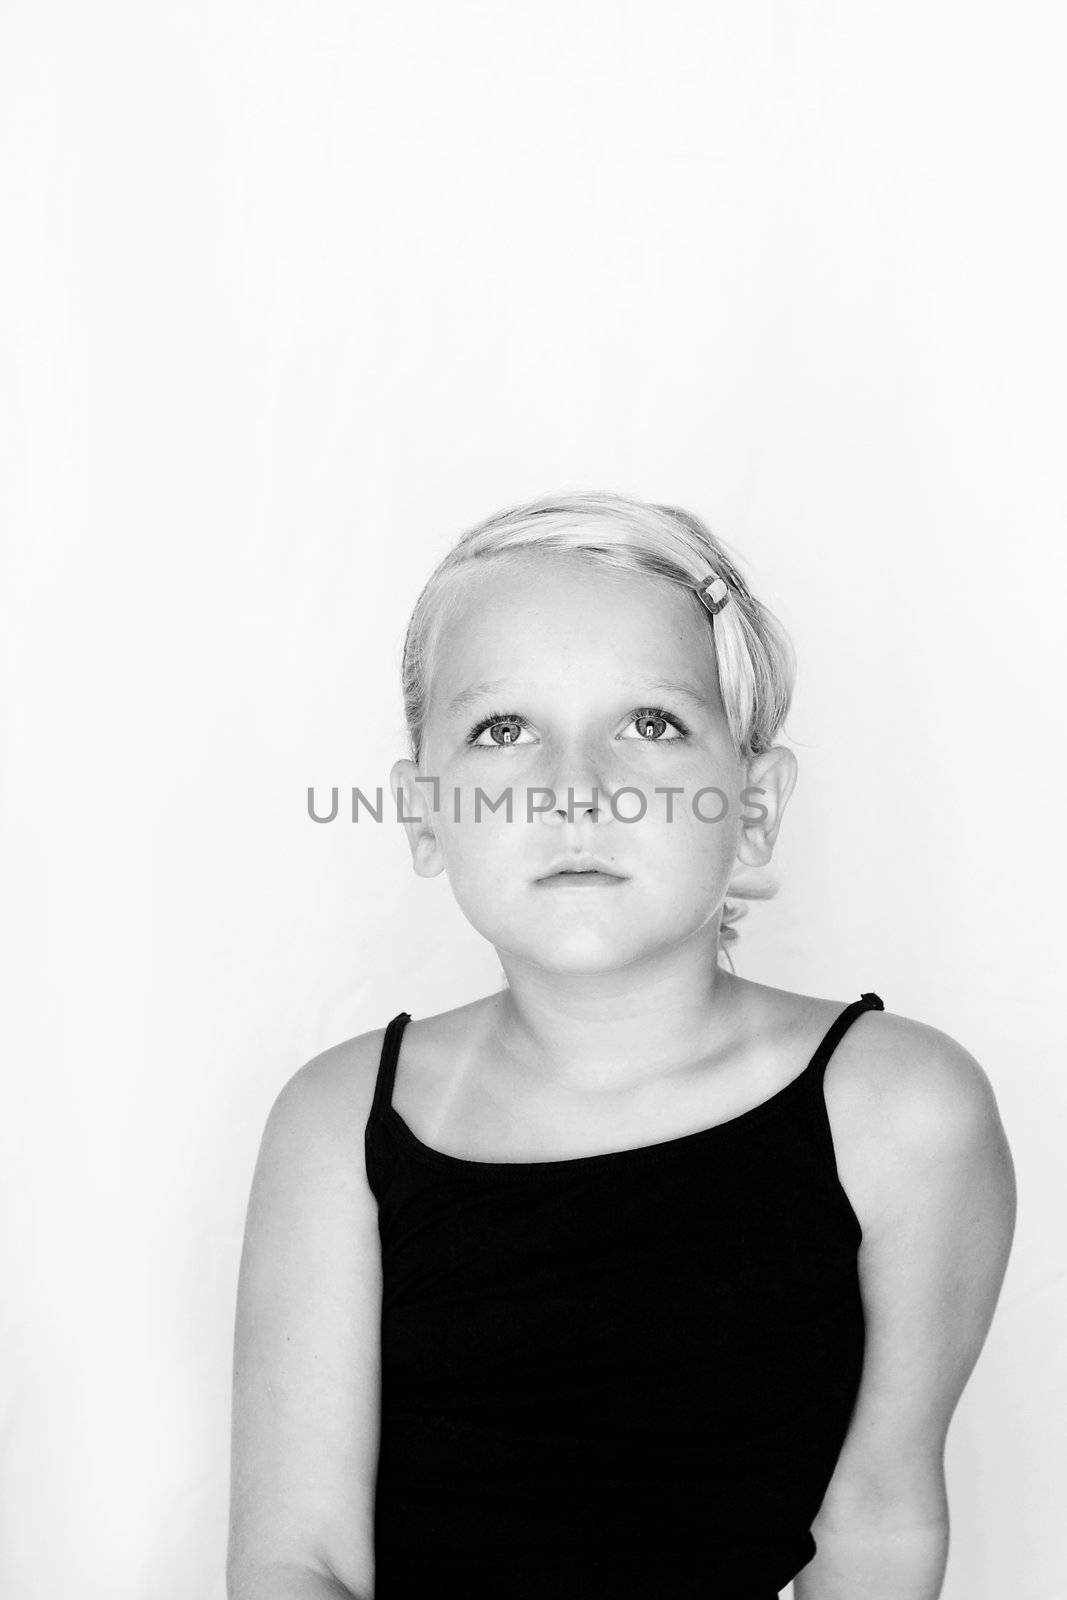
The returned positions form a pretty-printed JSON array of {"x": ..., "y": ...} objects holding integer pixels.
[
  {"x": 505, "y": 724},
  {"x": 651, "y": 721},
  {"x": 505, "y": 727}
]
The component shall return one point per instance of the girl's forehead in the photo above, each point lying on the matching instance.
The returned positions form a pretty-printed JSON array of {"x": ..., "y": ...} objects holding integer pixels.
[
  {"x": 553, "y": 586},
  {"x": 530, "y": 619}
]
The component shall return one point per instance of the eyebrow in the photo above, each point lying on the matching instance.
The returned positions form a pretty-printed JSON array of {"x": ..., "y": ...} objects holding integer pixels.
[{"x": 478, "y": 691}]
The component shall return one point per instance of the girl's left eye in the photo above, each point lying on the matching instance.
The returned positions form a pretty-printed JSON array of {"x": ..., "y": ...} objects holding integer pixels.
[{"x": 651, "y": 723}]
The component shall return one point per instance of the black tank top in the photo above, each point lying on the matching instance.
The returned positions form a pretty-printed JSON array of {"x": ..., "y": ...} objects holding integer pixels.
[{"x": 618, "y": 1375}]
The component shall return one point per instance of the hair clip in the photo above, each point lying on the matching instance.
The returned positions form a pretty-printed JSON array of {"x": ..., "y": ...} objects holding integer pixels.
[{"x": 714, "y": 594}]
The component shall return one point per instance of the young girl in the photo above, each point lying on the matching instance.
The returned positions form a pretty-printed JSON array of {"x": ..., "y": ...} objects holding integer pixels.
[{"x": 635, "y": 1278}]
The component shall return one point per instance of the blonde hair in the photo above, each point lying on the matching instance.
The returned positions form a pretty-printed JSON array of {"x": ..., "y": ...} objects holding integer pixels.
[{"x": 754, "y": 656}]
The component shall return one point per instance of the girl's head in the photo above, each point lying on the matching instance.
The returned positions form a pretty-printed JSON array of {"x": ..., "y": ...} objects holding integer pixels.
[{"x": 561, "y": 646}]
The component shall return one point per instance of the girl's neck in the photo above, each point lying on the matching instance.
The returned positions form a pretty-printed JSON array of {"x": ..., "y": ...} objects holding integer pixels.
[{"x": 602, "y": 1032}]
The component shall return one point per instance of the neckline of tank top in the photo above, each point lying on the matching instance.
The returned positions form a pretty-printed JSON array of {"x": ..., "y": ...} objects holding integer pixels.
[{"x": 392, "y": 1119}]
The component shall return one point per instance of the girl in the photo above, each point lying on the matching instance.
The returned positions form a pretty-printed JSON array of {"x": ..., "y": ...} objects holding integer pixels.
[{"x": 636, "y": 1278}]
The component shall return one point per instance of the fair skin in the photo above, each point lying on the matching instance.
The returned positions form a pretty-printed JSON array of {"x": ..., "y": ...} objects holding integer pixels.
[
  {"x": 595, "y": 979},
  {"x": 617, "y": 1028}
]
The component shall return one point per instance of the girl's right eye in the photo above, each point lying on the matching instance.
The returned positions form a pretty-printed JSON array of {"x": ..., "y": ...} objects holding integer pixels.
[{"x": 507, "y": 725}]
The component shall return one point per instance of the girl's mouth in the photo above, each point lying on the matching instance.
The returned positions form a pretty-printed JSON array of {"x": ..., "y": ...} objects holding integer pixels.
[{"x": 580, "y": 880}]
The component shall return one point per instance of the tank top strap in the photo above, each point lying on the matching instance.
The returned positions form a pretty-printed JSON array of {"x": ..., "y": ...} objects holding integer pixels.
[
  {"x": 815, "y": 1099},
  {"x": 383, "y": 1087},
  {"x": 837, "y": 1029}
]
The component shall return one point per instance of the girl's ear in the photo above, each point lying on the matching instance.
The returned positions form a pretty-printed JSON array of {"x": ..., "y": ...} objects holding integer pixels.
[
  {"x": 415, "y": 799},
  {"x": 771, "y": 780}
]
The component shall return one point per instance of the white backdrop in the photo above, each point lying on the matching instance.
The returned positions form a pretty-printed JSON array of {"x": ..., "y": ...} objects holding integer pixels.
[{"x": 290, "y": 295}]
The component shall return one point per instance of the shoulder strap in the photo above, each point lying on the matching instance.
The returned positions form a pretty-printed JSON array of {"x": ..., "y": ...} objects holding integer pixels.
[
  {"x": 815, "y": 1100},
  {"x": 383, "y": 1088},
  {"x": 838, "y": 1028}
]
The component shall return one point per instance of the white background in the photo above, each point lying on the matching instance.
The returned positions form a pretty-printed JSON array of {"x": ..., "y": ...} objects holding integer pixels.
[{"x": 292, "y": 294}]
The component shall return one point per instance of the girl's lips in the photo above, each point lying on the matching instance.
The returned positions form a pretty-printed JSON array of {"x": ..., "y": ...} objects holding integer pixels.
[{"x": 576, "y": 880}]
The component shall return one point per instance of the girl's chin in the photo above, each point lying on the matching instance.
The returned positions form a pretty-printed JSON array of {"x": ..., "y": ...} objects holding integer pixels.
[{"x": 590, "y": 949}]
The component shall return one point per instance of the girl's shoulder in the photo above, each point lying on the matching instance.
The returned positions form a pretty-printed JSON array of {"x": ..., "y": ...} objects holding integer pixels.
[
  {"x": 341, "y": 1079},
  {"x": 907, "y": 1075},
  {"x": 885, "y": 1070},
  {"x": 895, "y": 1061},
  {"x": 902, "y": 1096},
  {"x": 893, "y": 1086},
  {"x": 331, "y": 1094},
  {"x": 897, "y": 1064}
]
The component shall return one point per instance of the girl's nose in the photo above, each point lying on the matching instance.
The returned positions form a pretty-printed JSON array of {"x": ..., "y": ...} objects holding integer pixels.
[
  {"x": 579, "y": 783},
  {"x": 582, "y": 774},
  {"x": 584, "y": 805}
]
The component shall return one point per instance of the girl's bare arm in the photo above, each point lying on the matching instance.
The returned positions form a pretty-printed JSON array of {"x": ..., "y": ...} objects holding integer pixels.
[
  {"x": 286, "y": 1582},
  {"x": 931, "y": 1263},
  {"x": 307, "y": 1374}
]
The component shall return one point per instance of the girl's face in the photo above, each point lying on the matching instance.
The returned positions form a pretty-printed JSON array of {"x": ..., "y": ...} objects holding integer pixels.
[{"x": 558, "y": 674}]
